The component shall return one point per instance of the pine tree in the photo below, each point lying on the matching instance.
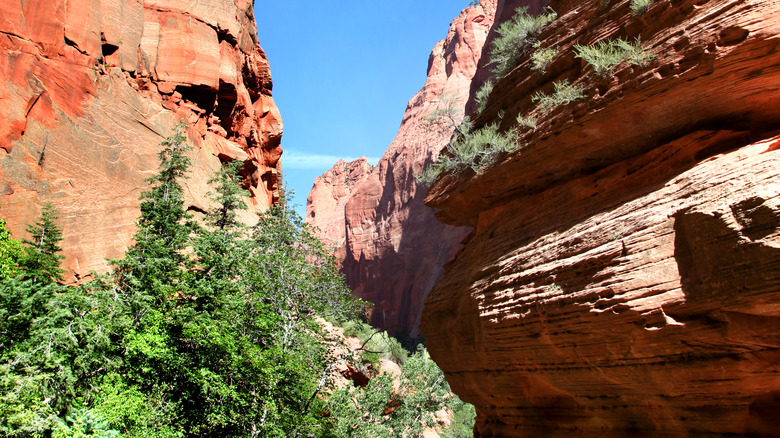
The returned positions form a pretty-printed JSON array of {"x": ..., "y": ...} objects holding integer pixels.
[
  {"x": 42, "y": 251},
  {"x": 154, "y": 264},
  {"x": 222, "y": 247},
  {"x": 227, "y": 196}
]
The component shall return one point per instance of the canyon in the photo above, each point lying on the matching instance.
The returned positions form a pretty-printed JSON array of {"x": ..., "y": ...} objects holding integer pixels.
[
  {"x": 92, "y": 87},
  {"x": 391, "y": 246},
  {"x": 622, "y": 277},
  {"x": 617, "y": 275}
]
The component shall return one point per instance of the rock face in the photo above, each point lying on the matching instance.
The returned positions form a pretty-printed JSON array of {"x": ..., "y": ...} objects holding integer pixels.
[
  {"x": 623, "y": 275},
  {"x": 328, "y": 197},
  {"x": 394, "y": 247},
  {"x": 91, "y": 87}
]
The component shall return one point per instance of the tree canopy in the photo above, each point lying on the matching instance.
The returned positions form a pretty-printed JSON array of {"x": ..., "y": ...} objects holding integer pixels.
[{"x": 203, "y": 329}]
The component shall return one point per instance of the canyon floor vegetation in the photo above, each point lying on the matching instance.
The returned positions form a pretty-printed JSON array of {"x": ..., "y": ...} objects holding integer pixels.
[{"x": 205, "y": 328}]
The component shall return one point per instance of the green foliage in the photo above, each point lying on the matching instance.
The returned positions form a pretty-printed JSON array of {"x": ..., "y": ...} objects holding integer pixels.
[
  {"x": 639, "y": 7},
  {"x": 482, "y": 95},
  {"x": 563, "y": 94},
  {"x": 516, "y": 37},
  {"x": 228, "y": 196},
  {"x": 379, "y": 344},
  {"x": 11, "y": 252},
  {"x": 199, "y": 332},
  {"x": 154, "y": 265},
  {"x": 542, "y": 57},
  {"x": 526, "y": 121},
  {"x": 462, "y": 424},
  {"x": 83, "y": 423},
  {"x": 42, "y": 257},
  {"x": 380, "y": 410},
  {"x": 607, "y": 54}
]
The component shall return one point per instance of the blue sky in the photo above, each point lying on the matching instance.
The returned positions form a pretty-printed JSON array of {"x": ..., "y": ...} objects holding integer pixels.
[{"x": 343, "y": 73}]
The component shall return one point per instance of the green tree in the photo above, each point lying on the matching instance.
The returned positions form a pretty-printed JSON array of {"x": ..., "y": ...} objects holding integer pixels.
[
  {"x": 11, "y": 252},
  {"x": 42, "y": 251},
  {"x": 155, "y": 263}
]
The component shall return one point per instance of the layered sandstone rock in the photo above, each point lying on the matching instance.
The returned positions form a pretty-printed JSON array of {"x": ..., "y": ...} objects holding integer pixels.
[
  {"x": 91, "y": 87},
  {"x": 394, "y": 247},
  {"x": 623, "y": 276}
]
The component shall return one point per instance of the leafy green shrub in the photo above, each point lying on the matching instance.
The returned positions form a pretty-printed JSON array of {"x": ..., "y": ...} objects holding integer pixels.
[
  {"x": 541, "y": 58},
  {"x": 381, "y": 411},
  {"x": 639, "y": 7},
  {"x": 606, "y": 54},
  {"x": 11, "y": 252},
  {"x": 516, "y": 37},
  {"x": 563, "y": 94},
  {"x": 482, "y": 95},
  {"x": 462, "y": 424},
  {"x": 200, "y": 330}
]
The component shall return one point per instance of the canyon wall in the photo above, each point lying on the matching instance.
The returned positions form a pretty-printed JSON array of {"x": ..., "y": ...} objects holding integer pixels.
[
  {"x": 394, "y": 248},
  {"x": 91, "y": 87},
  {"x": 623, "y": 275}
]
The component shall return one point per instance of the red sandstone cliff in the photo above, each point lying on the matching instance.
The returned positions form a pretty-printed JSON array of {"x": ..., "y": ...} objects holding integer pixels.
[
  {"x": 623, "y": 275},
  {"x": 328, "y": 197},
  {"x": 394, "y": 247},
  {"x": 91, "y": 87}
]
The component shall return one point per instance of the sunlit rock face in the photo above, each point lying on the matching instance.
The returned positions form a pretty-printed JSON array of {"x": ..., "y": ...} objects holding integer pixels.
[
  {"x": 623, "y": 275},
  {"x": 328, "y": 197},
  {"x": 91, "y": 87},
  {"x": 394, "y": 248}
]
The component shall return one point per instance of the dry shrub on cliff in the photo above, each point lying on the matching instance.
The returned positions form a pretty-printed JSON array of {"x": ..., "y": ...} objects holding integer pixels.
[
  {"x": 481, "y": 97},
  {"x": 516, "y": 37},
  {"x": 607, "y": 54},
  {"x": 563, "y": 94},
  {"x": 639, "y": 7},
  {"x": 542, "y": 57},
  {"x": 472, "y": 149}
]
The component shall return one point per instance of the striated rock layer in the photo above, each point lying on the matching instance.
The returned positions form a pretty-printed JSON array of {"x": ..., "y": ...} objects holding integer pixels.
[
  {"x": 623, "y": 275},
  {"x": 394, "y": 248},
  {"x": 91, "y": 87}
]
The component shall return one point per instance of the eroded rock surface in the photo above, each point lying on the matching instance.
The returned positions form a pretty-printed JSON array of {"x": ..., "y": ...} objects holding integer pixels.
[
  {"x": 91, "y": 87},
  {"x": 623, "y": 275},
  {"x": 394, "y": 247}
]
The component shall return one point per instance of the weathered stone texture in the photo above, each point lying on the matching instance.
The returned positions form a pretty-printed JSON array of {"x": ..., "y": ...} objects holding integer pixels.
[
  {"x": 91, "y": 87},
  {"x": 623, "y": 275}
]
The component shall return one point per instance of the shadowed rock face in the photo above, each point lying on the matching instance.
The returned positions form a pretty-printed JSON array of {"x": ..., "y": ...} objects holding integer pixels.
[
  {"x": 393, "y": 247},
  {"x": 623, "y": 275},
  {"x": 91, "y": 87}
]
